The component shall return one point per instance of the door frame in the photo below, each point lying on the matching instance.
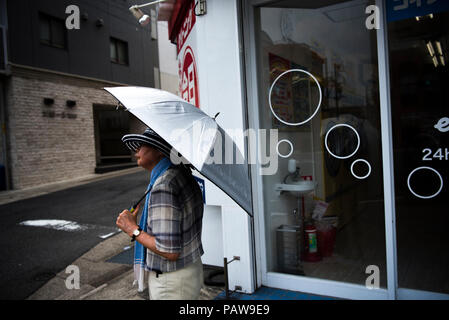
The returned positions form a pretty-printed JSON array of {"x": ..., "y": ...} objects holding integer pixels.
[{"x": 387, "y": 152}]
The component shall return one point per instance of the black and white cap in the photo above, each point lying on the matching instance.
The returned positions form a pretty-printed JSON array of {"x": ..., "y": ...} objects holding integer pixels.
[{"x": 134, "y": 141}]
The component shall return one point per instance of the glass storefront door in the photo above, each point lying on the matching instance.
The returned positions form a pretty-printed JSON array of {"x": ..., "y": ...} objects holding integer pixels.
[
  {"x": 419, "y": 79},
  {"x": 348, "y": 121},
  {"x": 317, "y": 74}
]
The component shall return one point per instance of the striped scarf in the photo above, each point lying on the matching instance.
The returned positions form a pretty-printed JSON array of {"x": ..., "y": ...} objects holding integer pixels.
[{"x": 140, "y": 252}]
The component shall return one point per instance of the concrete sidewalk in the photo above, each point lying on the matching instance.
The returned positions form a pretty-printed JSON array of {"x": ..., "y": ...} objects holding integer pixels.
[
  {"x": 102, "y": 280},
  {"x": 99, "y": 279}
]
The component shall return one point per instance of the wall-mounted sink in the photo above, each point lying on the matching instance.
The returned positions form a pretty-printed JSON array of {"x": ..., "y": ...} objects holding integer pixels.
[{"x": 297, "y": 189}]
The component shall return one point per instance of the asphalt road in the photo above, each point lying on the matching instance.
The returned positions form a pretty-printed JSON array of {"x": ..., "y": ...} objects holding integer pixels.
[{"x": 30, "y": 255}]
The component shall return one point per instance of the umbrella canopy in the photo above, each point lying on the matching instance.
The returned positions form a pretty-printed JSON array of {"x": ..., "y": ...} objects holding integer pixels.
[{"x": 195, "y": 135}]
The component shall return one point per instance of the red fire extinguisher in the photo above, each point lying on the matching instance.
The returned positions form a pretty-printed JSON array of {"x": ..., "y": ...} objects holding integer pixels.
[{"x": 311, "y": 253}]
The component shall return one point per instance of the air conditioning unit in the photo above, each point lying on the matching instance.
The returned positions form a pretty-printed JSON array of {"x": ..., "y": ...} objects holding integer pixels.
[{"x": 3, "y": 50}]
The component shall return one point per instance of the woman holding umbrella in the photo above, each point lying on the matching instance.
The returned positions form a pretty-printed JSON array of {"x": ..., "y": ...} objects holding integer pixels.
[{"x": 169, "y": 233}]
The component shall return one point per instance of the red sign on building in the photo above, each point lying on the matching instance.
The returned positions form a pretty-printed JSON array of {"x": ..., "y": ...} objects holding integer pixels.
[
  {"x": 186, "y": 27},
  {"x": 186, "y": 44},
  {"x": 189, "y": 78}
]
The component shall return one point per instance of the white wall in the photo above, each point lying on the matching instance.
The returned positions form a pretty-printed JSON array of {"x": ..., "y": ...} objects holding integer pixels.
[
  {"x": 212, "y": 236},
  {"x": 214, "y": 40},
  {"x": 168, "y": 64},
  {"x": 218, "y": 61}
]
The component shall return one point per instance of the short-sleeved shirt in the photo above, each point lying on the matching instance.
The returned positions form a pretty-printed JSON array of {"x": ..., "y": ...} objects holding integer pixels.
[{"x": 175, "y": 214}]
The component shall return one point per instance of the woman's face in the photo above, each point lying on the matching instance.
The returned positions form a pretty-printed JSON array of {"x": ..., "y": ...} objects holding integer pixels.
[{"x": 148, "y": 157}]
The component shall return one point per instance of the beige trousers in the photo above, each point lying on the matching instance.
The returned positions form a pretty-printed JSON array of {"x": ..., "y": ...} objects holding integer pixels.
[{"x": 184, "y": 284}]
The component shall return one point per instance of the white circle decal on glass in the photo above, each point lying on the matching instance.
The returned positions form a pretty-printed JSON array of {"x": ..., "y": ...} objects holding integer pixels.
[
  {"x": 366, "y": 175},
  {"x": 342, "y": 125},
  {"x": 319, "y": 102},
  {"x": 425, "y": 197},
  {"x": 291, "y": 149}
]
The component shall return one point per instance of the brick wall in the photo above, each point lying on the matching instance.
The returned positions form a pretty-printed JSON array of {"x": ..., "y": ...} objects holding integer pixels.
[{"x": 52, "y": 143}]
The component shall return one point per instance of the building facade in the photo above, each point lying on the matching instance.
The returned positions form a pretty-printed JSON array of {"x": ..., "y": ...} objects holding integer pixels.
[
  {"x": 350, "y": 101},
  {"x": 58, "y": 122}
]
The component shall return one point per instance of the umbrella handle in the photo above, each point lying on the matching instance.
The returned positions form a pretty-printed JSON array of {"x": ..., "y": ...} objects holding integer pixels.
[{"x": 133, "y": 208}]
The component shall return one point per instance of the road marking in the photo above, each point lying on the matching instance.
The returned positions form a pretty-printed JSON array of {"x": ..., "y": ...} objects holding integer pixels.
[
  {"x": 63, "y": 225},
  {"x": 105, "y": 236}
]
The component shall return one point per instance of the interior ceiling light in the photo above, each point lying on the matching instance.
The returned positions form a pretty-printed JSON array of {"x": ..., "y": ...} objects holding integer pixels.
[
  {"x": 437, "y": 54},
  {"x": 439, "y": 48},
  {"x": 435, "y": 61},
  {"x": 429, "y": 16},
  {"x": 430, "y": 48}
]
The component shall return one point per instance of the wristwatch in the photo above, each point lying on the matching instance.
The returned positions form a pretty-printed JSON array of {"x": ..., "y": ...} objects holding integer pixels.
[{"x": 136, "y": 233}]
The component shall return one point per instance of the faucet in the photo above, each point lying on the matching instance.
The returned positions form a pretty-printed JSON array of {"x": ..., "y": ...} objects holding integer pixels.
[{"x": 295, "y": 175}]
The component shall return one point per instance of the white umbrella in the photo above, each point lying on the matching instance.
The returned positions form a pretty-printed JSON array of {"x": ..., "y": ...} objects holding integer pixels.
[{"x": 195, "y": 135}]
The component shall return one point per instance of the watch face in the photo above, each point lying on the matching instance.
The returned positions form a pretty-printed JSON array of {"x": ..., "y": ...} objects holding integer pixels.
[{"x": 136, "y": 232}]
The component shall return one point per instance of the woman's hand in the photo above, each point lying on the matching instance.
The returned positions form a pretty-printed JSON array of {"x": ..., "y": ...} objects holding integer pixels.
[{"x": 127, "y": 221}]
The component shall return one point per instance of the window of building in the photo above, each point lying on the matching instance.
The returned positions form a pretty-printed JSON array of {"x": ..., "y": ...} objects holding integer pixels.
[
  {"x": 52, "y": 31},
  {"x": 119, "y": 51},
  {"x": 110, "y": 125}
]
